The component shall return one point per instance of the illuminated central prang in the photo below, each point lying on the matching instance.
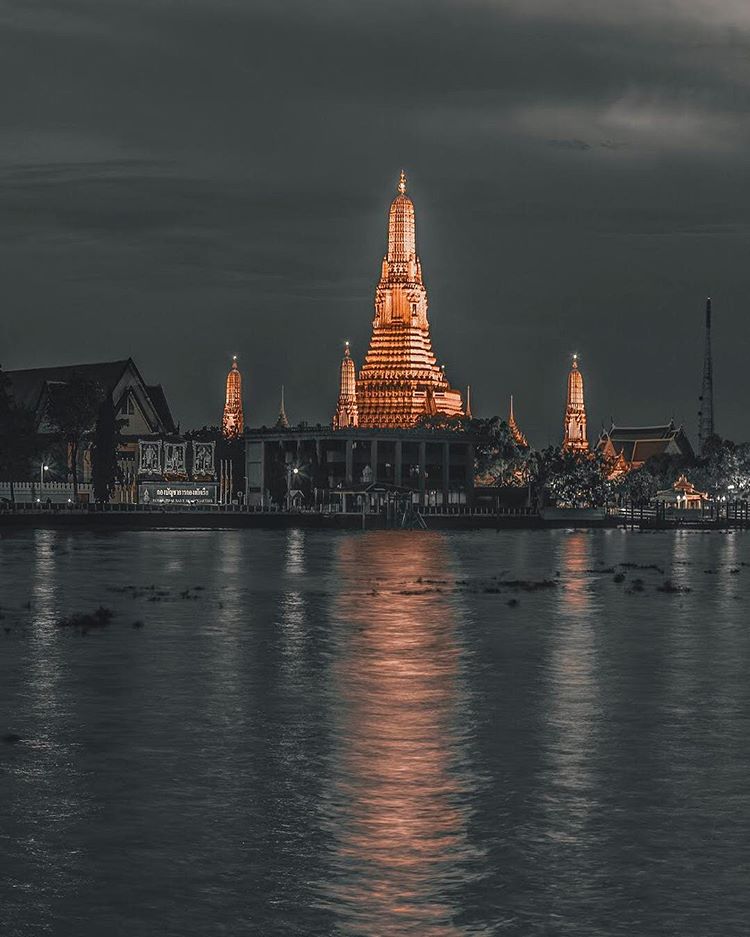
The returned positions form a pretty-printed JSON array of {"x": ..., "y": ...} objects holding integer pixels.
[{"x": 400, "y": 380}]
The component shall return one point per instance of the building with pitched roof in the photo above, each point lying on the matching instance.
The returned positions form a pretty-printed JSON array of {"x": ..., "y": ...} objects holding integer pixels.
[
  {"x": 630, "y": 446},
  {"x": 141, "y": 408}
]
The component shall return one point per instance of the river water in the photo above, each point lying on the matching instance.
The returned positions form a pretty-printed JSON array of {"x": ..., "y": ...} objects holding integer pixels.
[{"x": 376, "y": 734}]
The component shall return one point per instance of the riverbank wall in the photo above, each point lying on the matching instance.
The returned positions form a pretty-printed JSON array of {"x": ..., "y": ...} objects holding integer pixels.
[{"x": 171, "y": 519}]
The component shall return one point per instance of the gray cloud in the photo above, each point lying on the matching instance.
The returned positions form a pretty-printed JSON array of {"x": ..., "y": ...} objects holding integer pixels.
[{"x": 181, "y": 182}]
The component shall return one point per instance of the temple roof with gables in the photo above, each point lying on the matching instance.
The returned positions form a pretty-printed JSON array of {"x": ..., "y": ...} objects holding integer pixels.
[
  {"x": 637, "y": 444},
  {"x": 120, "y": 379}
]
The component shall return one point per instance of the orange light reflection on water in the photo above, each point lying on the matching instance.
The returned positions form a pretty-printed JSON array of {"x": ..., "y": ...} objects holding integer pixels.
[{"x": 399, "y": 793}]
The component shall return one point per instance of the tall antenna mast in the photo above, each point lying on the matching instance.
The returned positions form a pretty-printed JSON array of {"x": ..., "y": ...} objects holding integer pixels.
[{"x": 706, "y": 399}]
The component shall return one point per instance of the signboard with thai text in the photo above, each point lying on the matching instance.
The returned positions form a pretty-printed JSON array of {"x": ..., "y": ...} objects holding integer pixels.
[{"x": 177, "y": 493}]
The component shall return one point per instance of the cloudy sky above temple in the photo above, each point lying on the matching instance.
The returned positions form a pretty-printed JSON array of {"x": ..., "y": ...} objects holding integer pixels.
[{"x": 181, "y": 182}]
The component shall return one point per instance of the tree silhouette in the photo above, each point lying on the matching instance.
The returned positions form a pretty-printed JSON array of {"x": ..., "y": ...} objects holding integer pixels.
[
  {"x": 18, "y": 438},
  {"x": 72, "y": 411},
  {"x": 104, "y": 468}
]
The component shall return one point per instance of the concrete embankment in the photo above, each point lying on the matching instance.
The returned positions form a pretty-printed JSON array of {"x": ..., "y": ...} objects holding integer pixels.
[{"x": 186, "y": 519}]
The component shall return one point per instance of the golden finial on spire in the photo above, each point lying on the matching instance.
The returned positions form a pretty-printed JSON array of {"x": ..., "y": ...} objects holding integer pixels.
[{"x": 402, "y": 183}]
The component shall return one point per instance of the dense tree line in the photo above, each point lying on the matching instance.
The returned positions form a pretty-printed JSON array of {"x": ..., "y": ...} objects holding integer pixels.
[{"x": 722, "y": 471}]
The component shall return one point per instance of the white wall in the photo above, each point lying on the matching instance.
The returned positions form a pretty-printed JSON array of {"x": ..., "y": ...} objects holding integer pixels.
[{"x": 57, "y": 492}]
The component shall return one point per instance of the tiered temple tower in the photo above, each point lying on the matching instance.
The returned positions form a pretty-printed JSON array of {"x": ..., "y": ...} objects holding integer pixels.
[
  {"x": 400, "y": 380},
  {"x": 346, "y": 411},
  {"x": 575, "y": 439},
  {"x": 282, "y": 421},
  {"x": 233, "y": 423},
  {"x": 706, "y": 399},
  {"x": 515, "y": 430}
]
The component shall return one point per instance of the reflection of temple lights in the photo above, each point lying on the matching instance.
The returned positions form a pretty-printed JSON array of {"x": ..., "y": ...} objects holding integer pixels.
[
  {"x": 573, "y": 691},
  {"x": 398, "y": 809}
]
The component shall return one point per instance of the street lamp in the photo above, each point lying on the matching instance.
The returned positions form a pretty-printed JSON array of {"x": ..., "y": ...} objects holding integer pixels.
[
  {"x": 42, "y": 469},
  {"x": 290, "y": 471}
]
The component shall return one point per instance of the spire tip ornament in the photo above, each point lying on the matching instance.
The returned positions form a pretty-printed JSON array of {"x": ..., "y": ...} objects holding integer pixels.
[
  {"x": 706, "y": 399},
  {"x": 514, "y": 428},
  {"x": 402, "y": 183},
  {"x": 282, "y": 421}
]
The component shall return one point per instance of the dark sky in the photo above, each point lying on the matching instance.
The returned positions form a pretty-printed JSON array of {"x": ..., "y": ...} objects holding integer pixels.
[{"x": 181, "y": 181}]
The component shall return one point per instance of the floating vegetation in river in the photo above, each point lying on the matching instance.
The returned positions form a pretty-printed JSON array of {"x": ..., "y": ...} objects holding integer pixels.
[
  {"x": 87, "y": 621},
  {"x": 669, "y": 586},
  {"x": 653, "y": 566}
]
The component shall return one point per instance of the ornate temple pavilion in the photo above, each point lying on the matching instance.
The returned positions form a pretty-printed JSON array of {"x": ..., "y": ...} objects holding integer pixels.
[
  {"x": 630, "y": 446},
  {"x": 400, "y": 380}
]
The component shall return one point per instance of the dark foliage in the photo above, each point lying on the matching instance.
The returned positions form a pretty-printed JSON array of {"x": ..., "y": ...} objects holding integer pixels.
[
  {"x": 105, "y": 471},
  {"x": 18, "y": 440},
  {"x": 72, "y": 410}
]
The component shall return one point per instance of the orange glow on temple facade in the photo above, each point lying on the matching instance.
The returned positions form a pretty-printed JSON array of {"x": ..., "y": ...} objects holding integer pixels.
[
  {"x": 346, "y": 414},
  {"x": 575, "y": 439},
  {"x": 233, "y": 422},
  {"x": 400, "y": 380}
]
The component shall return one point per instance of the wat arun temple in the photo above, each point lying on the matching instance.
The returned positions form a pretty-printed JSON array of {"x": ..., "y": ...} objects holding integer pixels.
[{"x": 400, "y": 380}]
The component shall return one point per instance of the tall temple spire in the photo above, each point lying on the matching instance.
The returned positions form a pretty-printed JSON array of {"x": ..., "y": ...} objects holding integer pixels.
[
  {"x": 400, "y": 375},
  {"x": 402, "y": 248},
  {"x": 282, "y": 422},
  {"x": 575, "y": 439},
  {"x": 468, "y": 402},
  {"x": 706, "y": 399},
  {"x": 346, "y": 410},
  {"x": 233, "y": 422},
  {"x": 515, "y": 430}
]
